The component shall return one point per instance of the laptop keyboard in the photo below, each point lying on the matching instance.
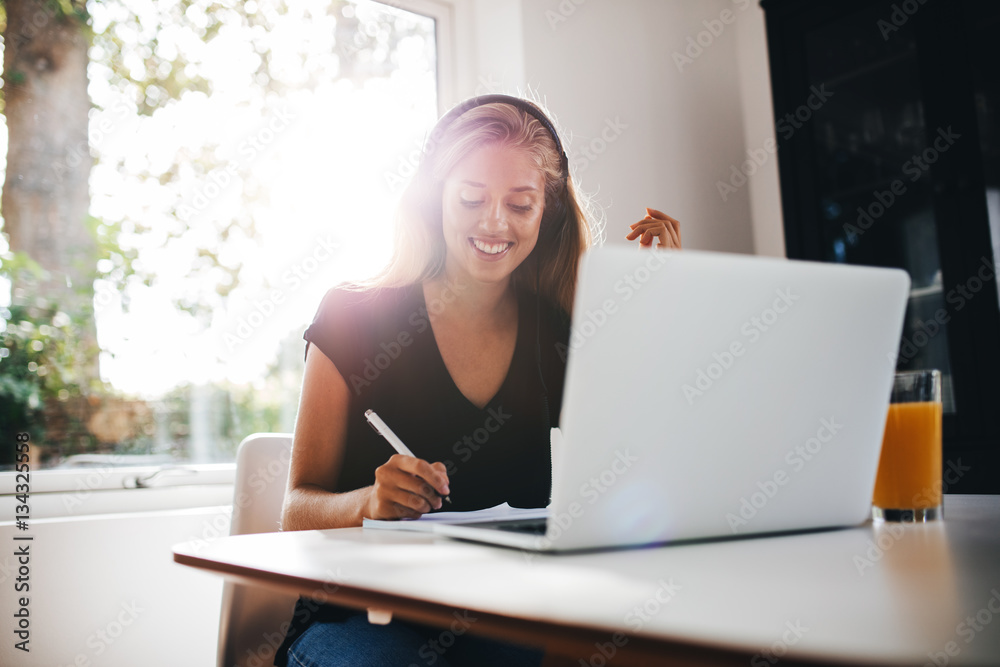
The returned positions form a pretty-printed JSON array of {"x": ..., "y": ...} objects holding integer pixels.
[{"x": 529, "y": 526}]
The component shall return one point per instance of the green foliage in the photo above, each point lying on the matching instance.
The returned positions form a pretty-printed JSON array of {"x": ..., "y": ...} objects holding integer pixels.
[
  {"x": 71, "y": 9},
  {"x": 43, "y": 359},
  {"x": 131, "y": 48},
  {"x": 150, "y": 53},
  {"x": 234, "y": 411},
  {"x": 116, "y": 265}
]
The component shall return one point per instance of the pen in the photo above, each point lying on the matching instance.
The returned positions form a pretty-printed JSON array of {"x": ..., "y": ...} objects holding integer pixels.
[{"x": 383, "y": 430}]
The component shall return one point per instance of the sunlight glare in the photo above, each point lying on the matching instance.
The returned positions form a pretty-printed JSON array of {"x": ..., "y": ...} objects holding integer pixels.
[{"x": 315, "y": 169}]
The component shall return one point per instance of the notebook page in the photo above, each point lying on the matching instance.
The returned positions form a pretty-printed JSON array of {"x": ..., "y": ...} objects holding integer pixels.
[{"x": 426, "y": 521}]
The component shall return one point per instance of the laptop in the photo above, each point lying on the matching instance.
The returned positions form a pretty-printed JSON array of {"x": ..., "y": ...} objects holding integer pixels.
[{"x": 714, "y": 395}]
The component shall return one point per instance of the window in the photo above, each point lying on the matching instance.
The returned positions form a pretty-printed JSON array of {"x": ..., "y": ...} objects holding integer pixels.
[
  {"x": 897, "y": 166},
  {"x": 246, "y": 157}
]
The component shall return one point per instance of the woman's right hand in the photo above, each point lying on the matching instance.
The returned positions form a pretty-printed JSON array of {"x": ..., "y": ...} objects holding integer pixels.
[{"x": 406, "y": 487}]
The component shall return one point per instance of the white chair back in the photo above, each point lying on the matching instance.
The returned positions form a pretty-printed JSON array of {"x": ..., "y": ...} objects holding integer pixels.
[{"x": 253, "y": 619}]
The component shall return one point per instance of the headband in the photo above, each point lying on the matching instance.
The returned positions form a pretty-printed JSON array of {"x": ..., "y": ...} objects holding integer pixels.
[{"x": 517, "y": 102}]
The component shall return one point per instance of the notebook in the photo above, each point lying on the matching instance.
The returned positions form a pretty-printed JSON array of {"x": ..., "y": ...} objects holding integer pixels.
[{"x": 426, "y": 522}]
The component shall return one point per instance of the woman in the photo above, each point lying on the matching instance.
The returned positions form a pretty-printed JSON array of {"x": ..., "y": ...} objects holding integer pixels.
[{"x": 455, "y": 347}]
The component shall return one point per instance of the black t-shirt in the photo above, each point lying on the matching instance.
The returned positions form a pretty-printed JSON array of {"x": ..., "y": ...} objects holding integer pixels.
[
  {"x": 382, "y": 344},
  {"x": 384, "y": 347}
]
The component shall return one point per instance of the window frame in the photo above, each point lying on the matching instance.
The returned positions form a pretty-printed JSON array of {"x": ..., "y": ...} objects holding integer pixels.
[
  {"x": 443, "y": 13},
  {"x": 180, "y": 474}
]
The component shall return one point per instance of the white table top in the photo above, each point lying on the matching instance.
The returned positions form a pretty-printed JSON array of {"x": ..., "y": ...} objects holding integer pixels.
[{"x": 890, "y": 593}]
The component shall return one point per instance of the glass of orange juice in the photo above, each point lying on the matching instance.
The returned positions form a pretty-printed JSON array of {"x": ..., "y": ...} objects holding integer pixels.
[{"x": 908, "y": 485}]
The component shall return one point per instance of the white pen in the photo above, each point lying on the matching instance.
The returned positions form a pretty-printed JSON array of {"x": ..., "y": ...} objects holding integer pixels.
[{"x": 383, "y": 430}]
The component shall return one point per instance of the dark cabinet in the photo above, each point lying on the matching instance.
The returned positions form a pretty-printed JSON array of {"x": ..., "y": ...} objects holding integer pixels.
[{"x": 886, "y": 118}]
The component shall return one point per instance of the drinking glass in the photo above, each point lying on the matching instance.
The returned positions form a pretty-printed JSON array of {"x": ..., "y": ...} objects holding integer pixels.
[{"x": 908, "y": 485}]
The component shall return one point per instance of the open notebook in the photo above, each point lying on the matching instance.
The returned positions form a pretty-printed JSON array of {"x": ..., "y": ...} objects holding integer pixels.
[{"x": 427, "y": 522}]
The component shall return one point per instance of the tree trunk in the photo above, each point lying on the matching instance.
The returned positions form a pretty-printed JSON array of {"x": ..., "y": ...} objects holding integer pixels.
[{"x": 45, "y": 195}]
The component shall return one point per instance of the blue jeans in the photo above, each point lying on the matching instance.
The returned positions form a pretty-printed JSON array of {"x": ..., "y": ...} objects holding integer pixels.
[{"x": 355, "y": 642}]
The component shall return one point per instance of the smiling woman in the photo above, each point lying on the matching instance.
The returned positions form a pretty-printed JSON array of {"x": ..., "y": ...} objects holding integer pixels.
[
  {"x": 489, "y": 167},
  {"x": 492, "y": 227},
  {"x": 489, "y": 230}
]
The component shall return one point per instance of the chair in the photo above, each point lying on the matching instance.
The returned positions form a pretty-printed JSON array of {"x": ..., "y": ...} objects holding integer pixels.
[{"x": 253, "y": 619}]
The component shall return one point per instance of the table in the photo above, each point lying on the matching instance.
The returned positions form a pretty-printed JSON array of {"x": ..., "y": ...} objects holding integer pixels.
[{"x": 908, "y": 594}]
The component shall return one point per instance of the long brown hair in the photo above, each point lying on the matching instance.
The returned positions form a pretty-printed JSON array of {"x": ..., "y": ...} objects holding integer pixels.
[{"x": 564, "y": 234}]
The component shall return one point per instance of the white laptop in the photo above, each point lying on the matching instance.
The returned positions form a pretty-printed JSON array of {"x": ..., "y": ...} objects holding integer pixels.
[{"x": 714, "y": 395}]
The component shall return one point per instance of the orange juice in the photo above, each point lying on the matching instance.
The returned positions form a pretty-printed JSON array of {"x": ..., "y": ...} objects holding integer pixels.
[{"x": 909, "y": 470}]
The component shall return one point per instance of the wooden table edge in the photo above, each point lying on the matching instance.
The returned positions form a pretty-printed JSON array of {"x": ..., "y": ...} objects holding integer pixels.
[{"x": 569, "y": 641}]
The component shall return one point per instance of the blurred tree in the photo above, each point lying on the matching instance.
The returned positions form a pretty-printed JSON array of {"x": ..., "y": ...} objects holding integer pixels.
[
  {"x": 45, "y": 195},
  {"x": 147, "y": 54}
]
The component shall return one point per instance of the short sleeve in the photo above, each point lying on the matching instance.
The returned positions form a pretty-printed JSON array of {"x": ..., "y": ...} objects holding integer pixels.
[{"x": 337, "y": 329}]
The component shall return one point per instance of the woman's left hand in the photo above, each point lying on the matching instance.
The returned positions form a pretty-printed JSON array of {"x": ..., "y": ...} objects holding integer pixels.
[{"x": 657, "y": 224}]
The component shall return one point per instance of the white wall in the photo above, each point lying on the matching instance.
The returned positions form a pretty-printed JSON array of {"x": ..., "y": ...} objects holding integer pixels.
[
  {"x": 671, "y": 131},
  {"x": 104, "y": 591}
]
